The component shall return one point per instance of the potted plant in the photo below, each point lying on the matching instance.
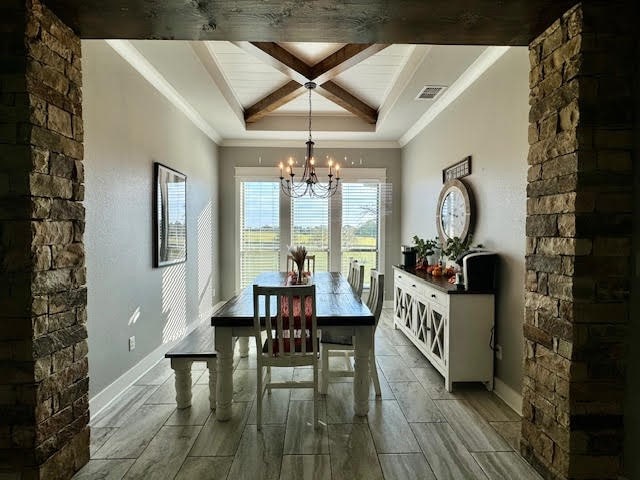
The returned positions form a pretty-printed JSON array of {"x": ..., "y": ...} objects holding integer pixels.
[
  {"x": 454, "y": 247},
  {"x": 425, "y": 249}
]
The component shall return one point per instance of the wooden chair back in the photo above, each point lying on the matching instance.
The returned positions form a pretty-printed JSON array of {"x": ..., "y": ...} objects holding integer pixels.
[
  {"x": 356, "y": 277},
  {"x": 310, "y": 261},
  {"x": 376, "y": 294},
  {"x": 289, "y": 321}
]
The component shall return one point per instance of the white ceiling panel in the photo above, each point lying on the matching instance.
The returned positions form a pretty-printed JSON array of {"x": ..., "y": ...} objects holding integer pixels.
[
  {"x": 372, "y": 79},
  {"x": 319, "y": 105},
  {"x": 311, "y": 52},
  {"x": 249, "y": 78}
]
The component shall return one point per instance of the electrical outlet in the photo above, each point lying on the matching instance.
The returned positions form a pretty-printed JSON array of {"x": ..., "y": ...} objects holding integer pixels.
[
  {"x": 499, "y": 352},
  {"x": 132, "y": 343}
]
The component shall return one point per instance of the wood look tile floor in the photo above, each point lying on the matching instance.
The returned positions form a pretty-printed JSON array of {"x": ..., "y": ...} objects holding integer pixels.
[{"x": 417, "y": 430}]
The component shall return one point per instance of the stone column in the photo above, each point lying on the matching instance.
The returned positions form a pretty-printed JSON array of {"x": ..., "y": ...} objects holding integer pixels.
[
  {"x": 579, "y": 216},
  {"x": 44, "y": 409}
]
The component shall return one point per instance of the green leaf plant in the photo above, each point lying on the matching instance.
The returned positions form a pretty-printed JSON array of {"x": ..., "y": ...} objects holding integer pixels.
[{"x": 425, "y": 247}]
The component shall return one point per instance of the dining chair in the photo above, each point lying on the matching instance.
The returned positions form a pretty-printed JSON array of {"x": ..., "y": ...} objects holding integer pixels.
[
  {"x": 356, "y": 277},
  {"x": 345, "y": 345},
  {"x": 291, "y": 338},
  {"x": 310, "y": 261}
]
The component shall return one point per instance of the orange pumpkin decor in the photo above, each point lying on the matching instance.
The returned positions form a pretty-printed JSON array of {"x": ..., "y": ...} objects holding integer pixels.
[{"x": 437, "y": 271}]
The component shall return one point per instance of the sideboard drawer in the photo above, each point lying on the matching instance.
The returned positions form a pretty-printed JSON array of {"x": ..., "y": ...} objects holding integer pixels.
[{"x": 433, "y": 295}]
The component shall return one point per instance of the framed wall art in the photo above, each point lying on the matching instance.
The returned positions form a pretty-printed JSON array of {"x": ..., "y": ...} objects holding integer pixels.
[
  {"x": 457, "y": 170},
  {"x": 169, "y": 216}
]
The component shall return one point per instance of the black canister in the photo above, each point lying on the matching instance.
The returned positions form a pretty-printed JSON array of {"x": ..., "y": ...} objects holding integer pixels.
[{"x": 408, "y": 256}]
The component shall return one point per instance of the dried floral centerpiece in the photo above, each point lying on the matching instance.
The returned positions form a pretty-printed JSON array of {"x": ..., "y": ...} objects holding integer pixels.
[{"x": 299, "y": 254}]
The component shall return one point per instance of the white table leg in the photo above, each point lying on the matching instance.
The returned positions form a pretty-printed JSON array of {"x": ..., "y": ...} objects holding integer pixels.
[
  {"x": 224, "y": 385},
  {"x": 212, "y": 365},
  {"x": 243, "y": 346},
  {"x": 362, "y": 376},
  {"x": 182, "y": 370}
]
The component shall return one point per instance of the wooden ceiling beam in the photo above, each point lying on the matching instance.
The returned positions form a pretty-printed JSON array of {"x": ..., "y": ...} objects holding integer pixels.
[
  {"x": 340, "y": 96},
  {"x": 343, "y": 59},
  {"x": 300, "y": 72},
  {"x": 279, "y": 58},
  {"x": 273, "y": 101}
]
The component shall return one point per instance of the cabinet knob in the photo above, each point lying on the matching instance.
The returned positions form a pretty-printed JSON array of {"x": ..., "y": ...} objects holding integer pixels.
[
  {"x": 433, "y": 295},
  {"x": 413, "y": 285}
]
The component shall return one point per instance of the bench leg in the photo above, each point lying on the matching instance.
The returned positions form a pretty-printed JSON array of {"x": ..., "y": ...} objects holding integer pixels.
[
  {"x": 212, "y": 365},
  {"x": 243, "y": 347},
  {"x": 182, "y": 370}
]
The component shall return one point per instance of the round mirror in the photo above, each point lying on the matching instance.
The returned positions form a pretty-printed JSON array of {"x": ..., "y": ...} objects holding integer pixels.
[{"x": 454, "y": 213}]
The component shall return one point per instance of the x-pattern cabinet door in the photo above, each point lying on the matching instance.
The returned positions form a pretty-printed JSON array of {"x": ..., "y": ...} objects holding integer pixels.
[
  {"x": 422, "y": 321},
  {"x": 437, "y": 337},
  {"x": 409, "y": 320},
  {"x": 403, "y": 307}
]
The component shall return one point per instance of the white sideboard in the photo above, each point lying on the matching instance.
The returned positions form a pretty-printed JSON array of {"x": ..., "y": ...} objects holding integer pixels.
[{"x": 452, "y": 328}]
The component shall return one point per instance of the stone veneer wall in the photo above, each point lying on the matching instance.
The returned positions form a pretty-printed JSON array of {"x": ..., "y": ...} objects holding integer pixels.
[
  {"x": 44, "y": 408},
  {"x": 579, "y": 216}
]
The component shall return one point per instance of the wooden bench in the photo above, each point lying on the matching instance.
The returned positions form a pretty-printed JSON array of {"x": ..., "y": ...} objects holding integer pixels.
[{"x": 198, "y": 346}]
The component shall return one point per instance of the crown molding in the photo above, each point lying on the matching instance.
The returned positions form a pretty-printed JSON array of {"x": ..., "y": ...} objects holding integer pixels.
[
  {"x": 207, "y": 57},
  {"x": 414, "y": 59},
  {"x": 297, "y": 143},
  {"x": 484, "y": 61},
  {"x": 131, "y": 55}
]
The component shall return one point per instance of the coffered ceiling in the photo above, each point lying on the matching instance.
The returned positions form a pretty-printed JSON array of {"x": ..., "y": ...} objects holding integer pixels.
[{"x": 222, "y": 82}]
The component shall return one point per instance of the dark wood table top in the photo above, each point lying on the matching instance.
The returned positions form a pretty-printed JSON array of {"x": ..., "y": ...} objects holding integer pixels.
[{"x": 336, "y": 302}]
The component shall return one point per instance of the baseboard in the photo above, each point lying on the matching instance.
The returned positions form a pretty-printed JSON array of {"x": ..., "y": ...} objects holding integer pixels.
[
  {"x": 508, "y": 395},
  {"x": 109, "y": 394}
]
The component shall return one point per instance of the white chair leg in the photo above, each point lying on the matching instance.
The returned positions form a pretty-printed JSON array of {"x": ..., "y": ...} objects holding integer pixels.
[
  {"x": 259, "y": 397},
  {"x": 315, "y": 395},
  {"x": 347, "y": 360},
  {"x": 374, "y": 375},
  {"x": 212, "y": 365},
  {"x": 324, "y": 353}
]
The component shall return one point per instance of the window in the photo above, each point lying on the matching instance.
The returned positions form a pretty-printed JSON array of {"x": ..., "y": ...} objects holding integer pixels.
[
  {"x": 310, "y": 227},
  {"x": 350, "y": 224},
  {"x": 360, "y": 228},
  {"x": 259, "y": 229}
]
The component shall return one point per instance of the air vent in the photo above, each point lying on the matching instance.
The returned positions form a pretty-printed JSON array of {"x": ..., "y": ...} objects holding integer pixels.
[{"x": 429, "y": 92}]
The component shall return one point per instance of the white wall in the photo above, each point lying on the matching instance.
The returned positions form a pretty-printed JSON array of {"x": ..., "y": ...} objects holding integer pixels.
[
  {"x": 489, "y": 121},
  {"x": 128, "y": 126}
]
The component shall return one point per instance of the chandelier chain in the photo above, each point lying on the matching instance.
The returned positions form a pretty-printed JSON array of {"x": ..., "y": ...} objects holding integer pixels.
[{"x": 310, "y": 114}]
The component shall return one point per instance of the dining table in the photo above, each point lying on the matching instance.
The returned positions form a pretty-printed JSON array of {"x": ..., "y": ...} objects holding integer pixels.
[{"x": 338, "y": 310}]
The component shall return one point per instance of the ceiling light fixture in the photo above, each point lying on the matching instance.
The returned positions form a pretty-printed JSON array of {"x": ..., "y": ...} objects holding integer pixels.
[{"x": 309, "y": 183}]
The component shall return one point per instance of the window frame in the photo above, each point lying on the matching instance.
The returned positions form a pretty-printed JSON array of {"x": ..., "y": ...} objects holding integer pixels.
[{"x": 348, "y": 175}]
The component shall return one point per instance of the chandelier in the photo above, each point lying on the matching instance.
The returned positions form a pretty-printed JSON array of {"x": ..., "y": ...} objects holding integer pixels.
[{"x": 309, "y": 183}]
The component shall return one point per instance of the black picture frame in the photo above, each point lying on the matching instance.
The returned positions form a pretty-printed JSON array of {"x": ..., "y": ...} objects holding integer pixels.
[
  {"x": 457, "y": 170},
  {"x": 169, "y": 216}
]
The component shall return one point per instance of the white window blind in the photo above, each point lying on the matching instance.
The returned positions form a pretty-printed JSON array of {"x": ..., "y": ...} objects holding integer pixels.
[
  {"x": 310, "y": 227},
  {"x": 259, "y": 229},
  {"x": 360, "y": 229}
]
